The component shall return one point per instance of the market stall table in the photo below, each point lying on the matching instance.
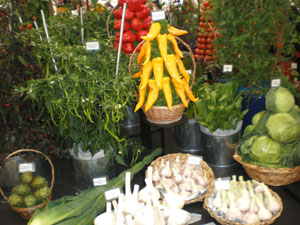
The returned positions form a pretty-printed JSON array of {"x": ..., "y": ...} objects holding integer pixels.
[{"x": 65, "y": 185}]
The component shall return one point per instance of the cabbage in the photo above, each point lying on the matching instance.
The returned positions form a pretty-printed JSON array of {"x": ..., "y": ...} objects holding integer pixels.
[
  {"x": 248, "y": 130},
  {"x": 256, "y": 117},
  {"x": 265, "y": 152},
  {"x": 279, "y": 99},
  {"x": 295, "y": 112},
  {"x": 283, "y": 127}
]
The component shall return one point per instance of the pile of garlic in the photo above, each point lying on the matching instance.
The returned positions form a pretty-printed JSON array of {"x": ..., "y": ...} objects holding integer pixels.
[
  {"x": 178, "y": 176},
  {"x": 244, "y": 202},
  {"x": 144, "y": 207}
]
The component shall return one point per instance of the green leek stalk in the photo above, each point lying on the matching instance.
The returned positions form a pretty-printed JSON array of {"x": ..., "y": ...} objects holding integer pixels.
[{"x": 83, "y": 208}]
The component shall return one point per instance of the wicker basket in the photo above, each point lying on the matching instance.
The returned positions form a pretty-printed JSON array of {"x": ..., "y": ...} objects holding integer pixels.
[
  {"x": 26, "y": 213},
  {"x": 270, "y": 176},
  {"x": 183, "y": 157},
  {"x": 162, "y": 114},
  {"x": 223, "y": 221}
]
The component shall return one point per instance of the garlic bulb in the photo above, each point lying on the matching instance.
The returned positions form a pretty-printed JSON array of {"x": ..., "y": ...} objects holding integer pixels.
[
  {"x": 271, "y": 202},
  {"x": 251, "y": 217},
  {"x": 156, "y": 176},
  {"x": 127, "y": 209},
  {"x": 178, "y": 217},
  {"x": 106, "y": 218},
  {"x": 166, "y": 171},
  {"x": 217, "y": 202},
  {"x": 263, "y": 213},
  {"x": 233, "y": 212},
  {"x": 120, "y": 218},
  {"x": 223, "y": 207},
  {"x": 145, "y": 215}
]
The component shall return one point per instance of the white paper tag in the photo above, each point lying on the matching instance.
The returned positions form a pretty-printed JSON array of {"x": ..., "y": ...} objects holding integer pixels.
[
  {"x": 227, "y": 68},
  {"x": 92, "y": 46},
  {"x": 112, "y": 194},
  {"x": 189, "y": 72},
  {"x": 275, "y": 82},
  {"x": 74, "y": 12},
  {"x": 294, "y": 65},
  {"x": 100, "y": 181},
  {"x": 194, "y": 160},
  {"x": 158, "y": 15},
  {"x": 222, "y": 185},
  {"x": 26, "y": 167}
]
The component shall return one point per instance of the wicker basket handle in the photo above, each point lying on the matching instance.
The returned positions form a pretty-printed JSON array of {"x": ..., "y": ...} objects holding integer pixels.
[{"x": 31, "y": 150}]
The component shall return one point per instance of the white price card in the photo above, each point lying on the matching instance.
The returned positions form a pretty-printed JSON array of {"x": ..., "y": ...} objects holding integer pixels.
[
  {"x": 275, "y": 82},
  {"x": 294, "y": 66},
  {"x": 26, "y": 167},
  {"x": 227, "y": 68},
  {"x": 189, "y": 72},
  {"x": 112, "y": 194},
  {"x": 100, "y": 181},
  {"x": 194, "y": 160},
  {"x": 222, "y": 185},
  {"x": 92, "y": 45},
  {"x": 158, "y": 15}
]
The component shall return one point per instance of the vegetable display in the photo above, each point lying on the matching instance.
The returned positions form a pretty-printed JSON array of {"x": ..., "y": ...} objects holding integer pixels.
[
  {"x": 273, "y": 138},
  {"x": 136, "y": 24},
  {"x": 157, "y": 58},
  {"x": 144, "y": 207},
  {"x": 245, "y": 202},
  {"x": 84, "y": 207},
  {"x": 30, "y": 192}
]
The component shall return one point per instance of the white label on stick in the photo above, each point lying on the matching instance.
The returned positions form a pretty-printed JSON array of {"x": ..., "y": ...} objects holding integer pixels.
[
  {"x": 294, "y": 66},
  {"x": 189, "y": 72},
  {"x": 100, "y": 181},
  {"x": 227, "y": 68},
  {"x": 158, "y": 15},
  {"x": 194, "y": 160},
  {"x": 222, "y": 185},
  {"x": 275, "y": 82},
  {"x": 26, "y": 167},
  {"x": 92, "y": 45},
  {"x": 112, "y": 194}
]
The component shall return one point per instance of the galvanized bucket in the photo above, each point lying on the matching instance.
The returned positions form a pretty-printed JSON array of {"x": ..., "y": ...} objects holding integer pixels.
[
  {"x": 218, "y": 150},
  {"x": 86, "y": 170},
  {"x": 188, "y": 137},
  {"x": 131, "y": 125}
]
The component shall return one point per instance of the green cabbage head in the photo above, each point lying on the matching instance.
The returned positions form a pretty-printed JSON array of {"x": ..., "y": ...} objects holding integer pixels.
[
  {"x": 279, "y": 99},
  {"x": 265, "y": 152},
  {"x": 257, "y": 117},
  {"x": 283, "y": 127}
]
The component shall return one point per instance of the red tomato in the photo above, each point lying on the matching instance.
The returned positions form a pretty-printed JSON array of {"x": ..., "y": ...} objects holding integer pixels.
[
  {"x": 198, "y": 45},
  {"x": 206, "y": 3},
  {"x": 202, "y": 24},
  {"x": 211, "y": 35},
  {"x": 202, "y": 40},
  {"x": 209, "y": 46},
  {"x": 197, "y": 51},
  {"x": 207, "y": 58},
  {"x": 202, "y": 18},
  {"x": 213, "y": 50},
  {"x": 196, "y": 56},
  {"x": 279, "y": 45},
  {"x": 208, "y": 40},
  {"x": 21, "y": 28},
  {"x": 198, "y": 40},
  {"x": 29, "y": 26},
  {"x": 212, "y": 24},
  {"x": 202, "y": 35},
  {"x": 201, "y": 52},
  {"x": 208, "y": 52},
  {"x": 202, "y": 46},
  {"x": 208, "y": 30}
]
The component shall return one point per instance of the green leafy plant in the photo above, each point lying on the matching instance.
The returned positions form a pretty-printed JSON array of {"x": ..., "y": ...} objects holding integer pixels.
[{"x": 219, "y": 106}]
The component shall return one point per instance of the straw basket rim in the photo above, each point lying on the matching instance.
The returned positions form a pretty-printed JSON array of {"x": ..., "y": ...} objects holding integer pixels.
[
  {"x": 270, "y": 176},
  {"x": 227, "y": 222},
  {"x": 26, "y": 213},
  {"x": 183, "y": 156}
]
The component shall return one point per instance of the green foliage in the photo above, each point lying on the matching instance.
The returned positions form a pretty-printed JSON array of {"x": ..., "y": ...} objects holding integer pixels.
[
  {"x": 219, "y": 106},
  {"x": 254, "y": 37}
]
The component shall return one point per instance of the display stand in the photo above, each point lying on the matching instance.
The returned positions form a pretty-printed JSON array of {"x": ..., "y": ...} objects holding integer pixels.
[{"x": 167, "y": 133}]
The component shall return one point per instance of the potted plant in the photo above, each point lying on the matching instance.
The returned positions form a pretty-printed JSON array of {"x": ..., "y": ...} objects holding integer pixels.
[
  {"x": 219, "y": 112},
  {"x": 84, "y": 98}
]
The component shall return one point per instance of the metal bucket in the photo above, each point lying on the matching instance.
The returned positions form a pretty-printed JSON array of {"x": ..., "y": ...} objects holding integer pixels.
[
  {"x": 85, "y": 170},
  {"x": 218, "y": 151},
  {"x": 131, "y": 125},
  {"x": 188, "y": 137}
]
